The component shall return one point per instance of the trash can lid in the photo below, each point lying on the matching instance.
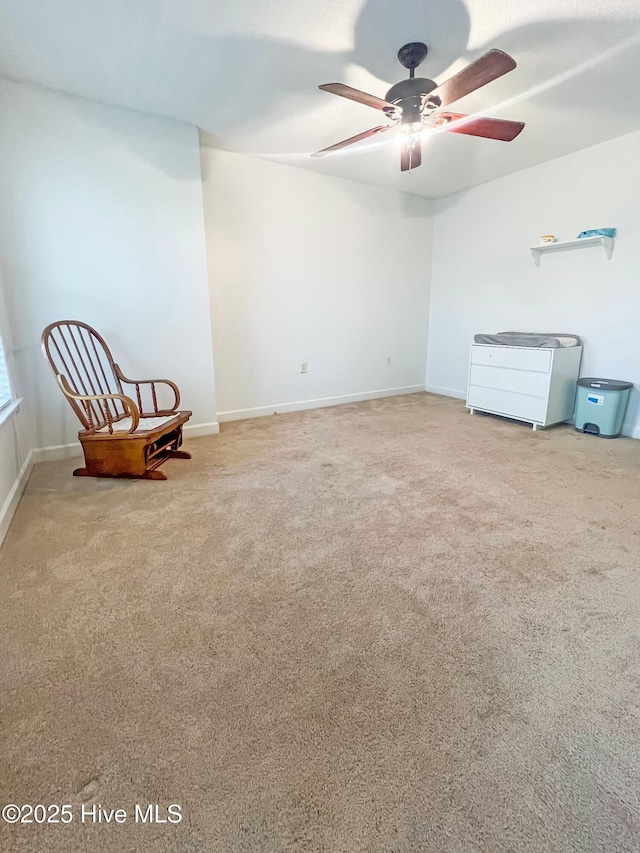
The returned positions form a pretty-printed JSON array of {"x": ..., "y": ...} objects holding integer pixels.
[{"x": 606, "y": 384}]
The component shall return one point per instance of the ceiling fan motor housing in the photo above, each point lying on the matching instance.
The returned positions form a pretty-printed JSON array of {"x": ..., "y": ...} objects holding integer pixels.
[
  {"x": 410, "y": 95},
  {"x": 414, "y": 86}
]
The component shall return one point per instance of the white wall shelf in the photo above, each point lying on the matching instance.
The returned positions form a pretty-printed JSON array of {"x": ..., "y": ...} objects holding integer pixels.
[{"x": 543, "y": 248}]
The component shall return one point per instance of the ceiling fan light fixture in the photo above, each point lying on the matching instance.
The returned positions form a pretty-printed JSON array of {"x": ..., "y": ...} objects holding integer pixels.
[{"x": 411, "y": 128}]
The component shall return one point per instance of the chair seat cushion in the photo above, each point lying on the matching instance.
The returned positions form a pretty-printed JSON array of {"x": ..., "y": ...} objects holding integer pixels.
[{"x": 145, "y": 424}]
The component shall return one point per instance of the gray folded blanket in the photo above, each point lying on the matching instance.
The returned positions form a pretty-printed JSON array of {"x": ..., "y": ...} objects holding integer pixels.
[{"x": 529, "y": 339}]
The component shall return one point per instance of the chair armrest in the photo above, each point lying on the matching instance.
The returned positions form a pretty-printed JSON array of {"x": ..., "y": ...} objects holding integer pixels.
[
  {"x": 85, "y": 412},
  {"x": 153, "y": 383}
]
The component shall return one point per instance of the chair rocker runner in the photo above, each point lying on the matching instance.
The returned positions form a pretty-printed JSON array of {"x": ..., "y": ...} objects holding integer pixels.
[{"x": 120, "y": 437}]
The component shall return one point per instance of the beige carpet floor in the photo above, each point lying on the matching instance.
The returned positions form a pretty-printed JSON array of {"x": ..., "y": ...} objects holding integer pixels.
[{"x": 387, "y": 626}]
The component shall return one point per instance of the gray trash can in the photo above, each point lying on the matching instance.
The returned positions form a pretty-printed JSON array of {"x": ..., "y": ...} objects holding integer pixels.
[{"x": 600, "y": 405}]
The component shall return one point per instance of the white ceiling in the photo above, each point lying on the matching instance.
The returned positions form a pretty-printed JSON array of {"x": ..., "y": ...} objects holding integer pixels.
[{"x": 247, "y": 71}]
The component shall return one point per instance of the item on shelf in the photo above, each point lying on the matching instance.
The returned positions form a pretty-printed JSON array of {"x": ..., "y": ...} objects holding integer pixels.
[
  {"x": 598, "y": 232},
  {"x": 548, "y": 238}
]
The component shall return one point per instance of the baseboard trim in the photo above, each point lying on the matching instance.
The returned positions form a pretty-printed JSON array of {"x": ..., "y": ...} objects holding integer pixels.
[
  {"x": 445, "y": 392},
  {"x": 10, "y": 505},
  {"x": 631, "y": 431},
  {"x": 320, "y": 403},
  {"x": 54, "y": 452},
  {"x": 196, "y": 430}
]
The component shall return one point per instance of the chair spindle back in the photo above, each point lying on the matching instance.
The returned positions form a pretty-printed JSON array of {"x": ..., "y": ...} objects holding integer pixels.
[{"x": 83, "y": 365}]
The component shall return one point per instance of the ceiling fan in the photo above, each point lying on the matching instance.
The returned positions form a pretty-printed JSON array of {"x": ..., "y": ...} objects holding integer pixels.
[{"x": 415, "y": 104}]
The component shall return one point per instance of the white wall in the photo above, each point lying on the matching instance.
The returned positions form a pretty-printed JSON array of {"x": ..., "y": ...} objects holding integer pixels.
[
  {"x": 484, "y": 278},
  {"x": 306, "y": 267},
  {"x": 101, "y": 220}
]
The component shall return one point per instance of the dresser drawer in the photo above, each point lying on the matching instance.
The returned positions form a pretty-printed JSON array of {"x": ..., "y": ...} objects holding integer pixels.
[
  {"x": 516, "y": 358},
  {"x": 529, "y": 382},
  {"x": 524, "y": 406}
]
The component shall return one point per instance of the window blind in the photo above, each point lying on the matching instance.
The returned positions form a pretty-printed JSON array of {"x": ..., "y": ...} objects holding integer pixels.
[{"x": 5, "y": 387}]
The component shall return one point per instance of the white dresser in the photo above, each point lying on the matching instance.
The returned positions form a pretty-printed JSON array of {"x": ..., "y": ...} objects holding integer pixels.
[{"x": 525, "y": 383}]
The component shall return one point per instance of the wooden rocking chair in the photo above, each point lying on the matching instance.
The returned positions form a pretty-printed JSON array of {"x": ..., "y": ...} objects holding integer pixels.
[{"x": 120, "y": 438}]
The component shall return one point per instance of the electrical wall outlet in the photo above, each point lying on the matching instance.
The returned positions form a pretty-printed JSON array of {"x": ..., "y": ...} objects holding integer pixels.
[{"x": 303, "y": 367}]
